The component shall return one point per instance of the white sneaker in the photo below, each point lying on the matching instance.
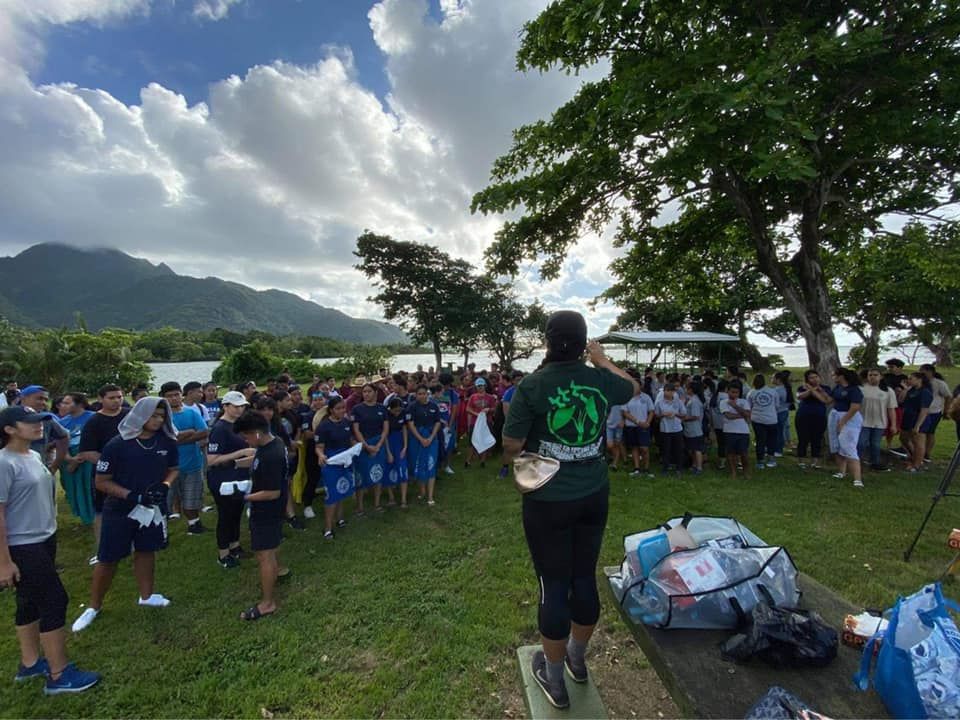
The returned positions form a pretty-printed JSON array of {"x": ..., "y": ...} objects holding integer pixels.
[
  {"x": 85, "y": 619},
  {"x": 93, "y": 560},
  {"x": 771, "y": 464},
  {"x": 449, "y": 470},
  {"x": 208, "y": 508},
  {"x": 173, "y": 516},
  {"x": 308, "y": 513},
  {"x": 778, "y": 454},
  {"x": 858, "y": 483},
  {"x": 155, "y": 600}
]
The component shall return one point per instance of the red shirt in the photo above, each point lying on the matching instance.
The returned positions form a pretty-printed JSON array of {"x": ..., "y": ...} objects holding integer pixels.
[{"x": 478, "y": 402}]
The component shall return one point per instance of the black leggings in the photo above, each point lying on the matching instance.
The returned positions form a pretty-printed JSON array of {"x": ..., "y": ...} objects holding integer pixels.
[
  {"x": 721, "y": 445},
  {"x": 810, "y": 430},
  {"x": 564, "y": 538},
  {"x": 229, "y": 516},
  {"x": 313, "y": 474},
  {"x": 40, "y": 594},
  {"x": 766, "y": 437}
]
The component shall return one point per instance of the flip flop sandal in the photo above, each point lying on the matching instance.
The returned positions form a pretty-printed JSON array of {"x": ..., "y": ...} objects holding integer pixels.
[
  {"x": 254, "y": 613},
  {"x": 286, "y": 576}
]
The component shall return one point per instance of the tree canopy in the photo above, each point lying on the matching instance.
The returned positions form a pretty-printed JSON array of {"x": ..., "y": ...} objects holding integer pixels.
[{"x": 814, "y": 121}]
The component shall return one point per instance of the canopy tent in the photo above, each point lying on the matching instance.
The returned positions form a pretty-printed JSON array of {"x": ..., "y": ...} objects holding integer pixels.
[{"x": 667, "y": 338}]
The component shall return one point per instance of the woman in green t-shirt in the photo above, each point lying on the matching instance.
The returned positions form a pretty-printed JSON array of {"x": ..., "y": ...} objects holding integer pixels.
[{"x": 560, "y": 411}]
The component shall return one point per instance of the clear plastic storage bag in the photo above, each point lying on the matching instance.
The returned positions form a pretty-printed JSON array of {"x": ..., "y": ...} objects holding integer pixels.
[{"x": 714, "y": 584}]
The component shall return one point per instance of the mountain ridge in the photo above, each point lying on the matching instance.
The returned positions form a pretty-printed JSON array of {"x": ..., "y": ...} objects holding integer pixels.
[{"x": 123, "y": 291}]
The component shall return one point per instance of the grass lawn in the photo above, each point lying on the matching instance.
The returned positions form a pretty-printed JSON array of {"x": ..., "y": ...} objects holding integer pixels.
[{"x": 418, "y": 613}]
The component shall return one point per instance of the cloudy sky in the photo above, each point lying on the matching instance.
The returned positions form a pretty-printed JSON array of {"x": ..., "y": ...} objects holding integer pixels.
[{"x": 255, "y": 139}]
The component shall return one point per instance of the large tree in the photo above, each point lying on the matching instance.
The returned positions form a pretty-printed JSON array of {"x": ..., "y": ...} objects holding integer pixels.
[
  {"x": 510, "y": 329},
  {"x": 422, "y": 287},
  {"x": 815, "y": 121}
]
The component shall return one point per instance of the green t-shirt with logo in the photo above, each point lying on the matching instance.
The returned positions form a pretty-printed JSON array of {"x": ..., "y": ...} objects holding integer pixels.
[{"x": 562, "y": 410}]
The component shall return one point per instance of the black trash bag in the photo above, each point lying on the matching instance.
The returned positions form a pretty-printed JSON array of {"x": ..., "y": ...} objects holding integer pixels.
[
  {"x": 784, "y": 638},
  {"x": 779, "y": 704}
]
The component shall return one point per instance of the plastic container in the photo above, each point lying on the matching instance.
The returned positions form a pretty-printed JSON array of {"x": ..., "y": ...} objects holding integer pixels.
[{"x": 652, "y": 550}]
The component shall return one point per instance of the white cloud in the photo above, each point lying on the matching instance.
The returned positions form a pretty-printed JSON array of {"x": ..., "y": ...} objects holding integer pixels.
[
  {"x": 270, "y": 181},
  {"x": 212, "y": 9}
]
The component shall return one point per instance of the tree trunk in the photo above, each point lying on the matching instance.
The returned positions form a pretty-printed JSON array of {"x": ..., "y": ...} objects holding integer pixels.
[
  {"x": 750, "y": 351},
  {"x": 437, "y": 352},
  {"x": 806, "y": 296},
  {"x": 466, "y": 357},
  {"x": 871, "y": 349},
  {"x": 941, "y": 351},
  {"x": 942, "y": 354}
]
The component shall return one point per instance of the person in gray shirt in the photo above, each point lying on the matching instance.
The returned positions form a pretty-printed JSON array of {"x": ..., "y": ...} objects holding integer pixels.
[{"x": 28, "y": 548}]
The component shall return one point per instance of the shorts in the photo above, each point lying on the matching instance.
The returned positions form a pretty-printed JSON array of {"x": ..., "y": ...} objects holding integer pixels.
[
  {"x": 693, "y": 444},
  {"x": 844, "y": 442},
  {"x": 736, "y": 443},
  {"x": 929, "y": 426},
  {"x": 899, "y": 416},
  {"x": 636, "y": 437},
  {"x": 189, "y": 487},
  {"x": 119, "y": 534},
  {"x": 614, "y": 435},
  {"x": 41, "y": 596},
  {"x": 266, "y": 535}
]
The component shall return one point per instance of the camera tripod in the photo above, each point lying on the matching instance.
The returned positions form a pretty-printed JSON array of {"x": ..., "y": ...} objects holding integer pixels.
[{"x": 943, "y": 490}]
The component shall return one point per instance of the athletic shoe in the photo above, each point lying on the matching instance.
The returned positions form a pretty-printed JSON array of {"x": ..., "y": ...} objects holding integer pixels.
[
  {"x": 208, "y": 508},
  {"x": 778, "y": 454},
  {"x": 556, "y": 695},
  {"x": 927, "y": 461},
  {"x": 802, "y": 465},
  {"x": 881, "y": 468},
  {"x": 93, "y": 560},
  {"x": 449, "y": 470},
  {"x": 39, "y": 669},
  {"x": 838, "y": 476},
  {"x": 341, "y": 523},
  {"x": 613, "y": 468},
  {"x": 196, "y": 528},
  {"x": 771, "y": 463},
  {"x": 858, "y": 483},
  {"x": 173, "y": 516},
  {"x": 308, "y": 513},
  {"x": 156, "y": 600},
  {"x": 240, "y": 554},
  {"x": 328, "y": 535},
  {"x": 912, "y": 469},
  {"x": 85, "y": 620},
  {"x": 431, "y": 503},
  {"x": 577, "y": 675},
  {"x": 71, "y": 680},
  {"x": 296, "y": 523},
  {"x": 899, "y": 452},
  {"x": 635, "y": 472},
  {"x": 228, "y": 562}
]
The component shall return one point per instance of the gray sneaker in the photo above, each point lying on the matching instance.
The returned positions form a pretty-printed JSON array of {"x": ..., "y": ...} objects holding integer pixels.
[
  {"x": 556, "y": 694},
  {"x": 578, "y": 675}
]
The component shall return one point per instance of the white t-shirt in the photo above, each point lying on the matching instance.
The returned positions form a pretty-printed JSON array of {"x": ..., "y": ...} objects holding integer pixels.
[
  {"x": 763, "y": 403},
  {"x": 669, "y": 412},
  {"x": 639, "y": 406},
  {"x": 693, "y": 428},
  {"x": 615, "y": 416},
  {"x": 738, "y": 425},
  {"x": 941, "y": 392},
  {"x": 876, "y": 403}
]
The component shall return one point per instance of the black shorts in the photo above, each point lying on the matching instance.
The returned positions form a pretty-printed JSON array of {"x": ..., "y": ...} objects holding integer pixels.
[
  {"x": 693, "y": 444},
  {"x": 41, "y": 596},
  {"x": 119, "y": 535},
  {"x": 736, "y": 443},
  {"x": 636, "y": 437},
  {"x": 266, "y": 535}
]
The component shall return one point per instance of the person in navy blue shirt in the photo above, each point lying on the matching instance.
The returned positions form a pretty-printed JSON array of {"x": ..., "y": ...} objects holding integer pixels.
[
  {"x": 845, "y": 422},
  {"x": 916, "y": 409},
  {"x": 135, "y": 471},
  {"x": 228, "y": 462},
  {"x": 424, "y": 423},
  {"x": 334, "y": 435},
  {"x": 267, "y": 498},
  {"x": 370, "y": 428},
  {"x": 397, "y": 438}
]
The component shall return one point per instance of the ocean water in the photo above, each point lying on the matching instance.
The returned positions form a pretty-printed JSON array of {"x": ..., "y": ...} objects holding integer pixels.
[{"x": 793, "y": 355}]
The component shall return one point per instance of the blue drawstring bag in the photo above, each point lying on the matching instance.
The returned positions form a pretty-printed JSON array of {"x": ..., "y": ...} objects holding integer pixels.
[{"x": 917, "y": 674}]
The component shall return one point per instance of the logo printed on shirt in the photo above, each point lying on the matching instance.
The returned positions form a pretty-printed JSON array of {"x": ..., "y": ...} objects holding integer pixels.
[{"x": 577, "y": 414}]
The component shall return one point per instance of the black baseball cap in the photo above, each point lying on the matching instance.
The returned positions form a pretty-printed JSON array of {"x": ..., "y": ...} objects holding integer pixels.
[
  {"x": 12, "y": 415},
  {"x": 894, "y": 362}
]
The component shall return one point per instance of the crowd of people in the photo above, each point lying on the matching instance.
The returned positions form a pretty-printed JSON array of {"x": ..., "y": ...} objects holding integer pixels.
[{"x": 132, "y": 468}]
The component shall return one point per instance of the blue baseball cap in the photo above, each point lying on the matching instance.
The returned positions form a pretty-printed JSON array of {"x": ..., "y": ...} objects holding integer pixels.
[
  {"x": 480, "y": 381},
  {"x": 32, "y": 390}
]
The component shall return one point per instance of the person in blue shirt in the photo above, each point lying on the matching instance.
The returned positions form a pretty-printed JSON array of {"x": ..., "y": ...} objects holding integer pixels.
[
  {"x": 135, "y": 471},
  {"x": 693, "y": 426},
  {"x": 229, "y": 458},
  {"x": 370, "y": 428},
  {"x": 763, "y": 416},
  {"x": 916, "y": 409},
  {"x": 334, "y": 435},
  {"x": 75, "y": 474},
  {"x": 187, "y": 490},
  {"x": 845, "y": 422},
  {"x": 670, "y": 410},
  {"x": 811, "y": 419},
  {"x": 397, "y": 439},
  {"x": 423, "y": 424}
]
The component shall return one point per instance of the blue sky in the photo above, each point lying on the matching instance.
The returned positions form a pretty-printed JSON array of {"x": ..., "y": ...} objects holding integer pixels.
[{"x": 184, "y": 53}]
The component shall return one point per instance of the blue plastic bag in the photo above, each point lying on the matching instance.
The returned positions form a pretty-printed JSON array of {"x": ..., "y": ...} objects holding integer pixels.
[{"x": 918, "y": 667}]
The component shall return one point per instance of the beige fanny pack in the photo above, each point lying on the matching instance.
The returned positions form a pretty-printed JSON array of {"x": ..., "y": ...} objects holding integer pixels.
[{"x": 531, "y": 471}]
